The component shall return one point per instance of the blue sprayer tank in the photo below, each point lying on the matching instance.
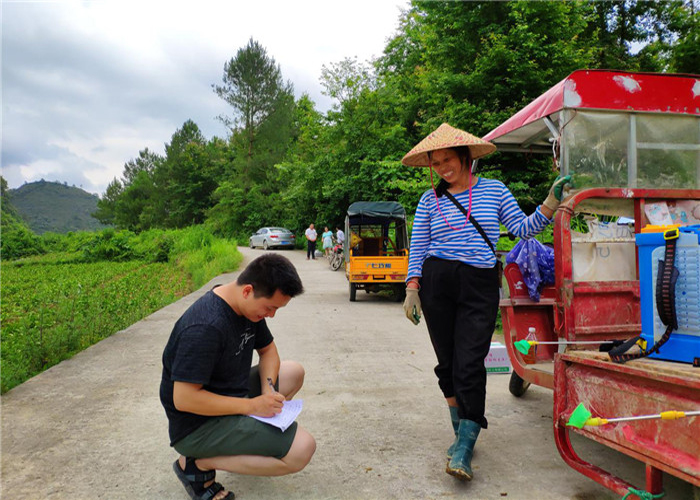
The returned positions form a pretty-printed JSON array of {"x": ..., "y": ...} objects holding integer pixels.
[{"x": 684, "y": 344}]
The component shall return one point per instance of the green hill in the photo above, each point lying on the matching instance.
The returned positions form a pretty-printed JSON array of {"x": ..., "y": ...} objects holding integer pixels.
[{"x": 52, "y": 206}]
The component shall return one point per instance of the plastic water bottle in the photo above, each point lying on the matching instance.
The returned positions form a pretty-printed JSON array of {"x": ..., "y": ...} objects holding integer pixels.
[{"x": 531, "y": 357}]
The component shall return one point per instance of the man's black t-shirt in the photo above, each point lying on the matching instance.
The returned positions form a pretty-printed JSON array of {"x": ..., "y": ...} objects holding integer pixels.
[{"x": 213, "y": 346}]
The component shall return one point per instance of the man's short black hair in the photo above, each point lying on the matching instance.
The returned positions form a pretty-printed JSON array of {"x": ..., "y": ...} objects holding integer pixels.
[{"x": 269, "y": 273}]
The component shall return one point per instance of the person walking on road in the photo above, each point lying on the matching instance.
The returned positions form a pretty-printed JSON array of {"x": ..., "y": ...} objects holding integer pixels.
[
  {"x": 339, "y": 235},
  {"x": 311, "y": 236},
  {"x": 209, "y": 389},
  {"x": 452, "y": 276}
]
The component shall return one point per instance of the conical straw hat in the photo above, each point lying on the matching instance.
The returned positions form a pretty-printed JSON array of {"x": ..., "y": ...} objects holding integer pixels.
[{"x": 446, "y": 136}]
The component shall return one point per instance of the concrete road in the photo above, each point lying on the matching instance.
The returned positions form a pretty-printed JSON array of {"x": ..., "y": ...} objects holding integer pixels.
[{"x": 93, "y": 427}]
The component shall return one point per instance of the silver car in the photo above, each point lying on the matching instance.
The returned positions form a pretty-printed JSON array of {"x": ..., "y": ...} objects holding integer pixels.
[{"x": 273, "y": 237}]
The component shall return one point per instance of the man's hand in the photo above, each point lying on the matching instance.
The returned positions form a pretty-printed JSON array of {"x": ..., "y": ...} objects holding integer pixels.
[{"x": 267, "y": 405}]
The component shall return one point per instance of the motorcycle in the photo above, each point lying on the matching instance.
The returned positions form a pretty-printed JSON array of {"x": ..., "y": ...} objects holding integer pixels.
[{"x": 337, "y": 257}]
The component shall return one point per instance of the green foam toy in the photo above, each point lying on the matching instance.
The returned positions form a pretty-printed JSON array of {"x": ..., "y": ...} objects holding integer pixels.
[
  {"x": 579, "y": 417},
  {"x": 522, "y": 345}
]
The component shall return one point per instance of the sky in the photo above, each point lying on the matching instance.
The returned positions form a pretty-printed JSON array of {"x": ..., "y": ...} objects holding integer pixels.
[{"x": 87, "y": 85}]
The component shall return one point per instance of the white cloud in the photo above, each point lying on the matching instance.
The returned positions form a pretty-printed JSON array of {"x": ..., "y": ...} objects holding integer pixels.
[
  {"x": 87, "y": 85},
  {"x": 41, "y": 169}
]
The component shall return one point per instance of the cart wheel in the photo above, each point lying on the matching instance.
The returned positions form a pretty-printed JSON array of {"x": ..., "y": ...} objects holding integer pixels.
[
  {"x": 353, "y": 292},
  {"x": 517, "y": 385}
]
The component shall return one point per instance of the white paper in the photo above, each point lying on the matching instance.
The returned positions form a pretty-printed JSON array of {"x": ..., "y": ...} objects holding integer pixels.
[
  {"x": 290, "y": 411},
  {"x": 658, "y": 213}
]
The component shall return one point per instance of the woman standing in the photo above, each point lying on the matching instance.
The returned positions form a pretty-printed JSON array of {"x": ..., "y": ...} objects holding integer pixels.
[
  {"x": 327, "y": 238},
  {"x": 452, "y": 274}
]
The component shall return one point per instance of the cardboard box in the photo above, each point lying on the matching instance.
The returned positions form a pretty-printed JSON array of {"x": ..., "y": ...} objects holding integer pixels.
[{"x": 497, "y": 360}]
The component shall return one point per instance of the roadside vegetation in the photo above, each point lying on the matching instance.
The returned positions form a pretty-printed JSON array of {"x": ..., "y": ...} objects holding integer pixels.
[{"x": 87, "y": 286}]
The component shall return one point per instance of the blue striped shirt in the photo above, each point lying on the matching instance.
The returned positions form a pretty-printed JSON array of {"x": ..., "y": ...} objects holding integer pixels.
[{"x": 492, "y": 203}]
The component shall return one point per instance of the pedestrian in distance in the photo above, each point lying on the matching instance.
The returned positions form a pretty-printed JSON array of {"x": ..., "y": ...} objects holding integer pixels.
[
  {"x": 311, "y": 236},
  {"x": 209, "y": 388},
  {"x": 452, "y": 275},
  {"x": 339, "y": 235},
  {"x": 327, "y": 239}
]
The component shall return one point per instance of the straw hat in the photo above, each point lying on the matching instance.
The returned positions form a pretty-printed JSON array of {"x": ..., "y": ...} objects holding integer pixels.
[{"x": 446, "y": 136}]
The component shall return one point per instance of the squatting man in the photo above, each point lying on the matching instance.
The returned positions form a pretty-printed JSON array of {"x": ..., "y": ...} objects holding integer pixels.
[{"x": 209, "y": 388}]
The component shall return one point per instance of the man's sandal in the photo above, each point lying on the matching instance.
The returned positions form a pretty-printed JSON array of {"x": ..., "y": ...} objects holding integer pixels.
[{"x": 194, "y": 479}]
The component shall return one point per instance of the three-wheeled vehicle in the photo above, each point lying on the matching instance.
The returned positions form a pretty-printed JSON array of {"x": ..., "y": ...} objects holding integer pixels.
[
  {"x": 376, "y": 247},
  {"x": 631, "y": 142}
]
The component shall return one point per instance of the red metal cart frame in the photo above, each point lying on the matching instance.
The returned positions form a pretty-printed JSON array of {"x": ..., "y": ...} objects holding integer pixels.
[{"x": 574, "y": 309}]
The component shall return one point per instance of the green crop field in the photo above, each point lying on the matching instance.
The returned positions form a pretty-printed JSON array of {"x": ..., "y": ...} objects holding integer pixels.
[
  {"x": 51, "y": 311},
  {"x": 62, "y": 293}
]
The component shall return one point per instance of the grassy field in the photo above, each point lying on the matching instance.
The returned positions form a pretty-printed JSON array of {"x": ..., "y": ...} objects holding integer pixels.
[
  {"x": 52, "y": 311},
  {"x": 54, "y": 306}
]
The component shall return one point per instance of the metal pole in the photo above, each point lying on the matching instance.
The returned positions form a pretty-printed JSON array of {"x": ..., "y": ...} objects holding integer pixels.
[
  {"x": 648, "y": 417},
  {"x": 632, "y": 153}
]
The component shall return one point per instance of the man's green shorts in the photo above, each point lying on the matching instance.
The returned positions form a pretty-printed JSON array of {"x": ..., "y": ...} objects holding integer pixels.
[{"x": 238, "y": 435}]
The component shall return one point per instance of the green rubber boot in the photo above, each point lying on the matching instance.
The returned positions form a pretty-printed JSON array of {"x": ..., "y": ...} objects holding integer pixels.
[
  {"x": 455, "y": 425},
  {"x": 460, "y": 466}
]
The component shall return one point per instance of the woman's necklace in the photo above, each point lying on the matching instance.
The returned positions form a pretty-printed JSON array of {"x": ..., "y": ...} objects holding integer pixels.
[{"x": 469, "y": 210}]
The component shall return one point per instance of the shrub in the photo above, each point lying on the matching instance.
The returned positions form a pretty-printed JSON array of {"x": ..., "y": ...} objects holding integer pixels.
[
  {"x": 192, "y": 238},
  {"x": 18, "y": 241},
  {"x": 109, "y": 244},
  {"x": 68, "y": 242},
  {"x": 154, "y": 245}
]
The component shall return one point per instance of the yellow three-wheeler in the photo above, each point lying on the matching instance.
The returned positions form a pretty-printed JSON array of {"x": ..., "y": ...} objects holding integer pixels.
[{"x": 376, "y": 247}]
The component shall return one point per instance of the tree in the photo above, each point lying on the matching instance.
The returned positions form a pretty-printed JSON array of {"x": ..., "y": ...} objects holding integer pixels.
[
  {"x": 685, "y": 52},
  {"x": 253, "y": 86},
  {"x": 307, "y": 128},
  {"x": 185, "y": 182},
  {"x": 3, "y": 191},
  {"x": 346, "y": 79},
  {"x": 106, "y": 205},
  {"x": 135, "y": 200},
  {"x": 147, "y": 161},
  {"x": 262, "y": 129}
]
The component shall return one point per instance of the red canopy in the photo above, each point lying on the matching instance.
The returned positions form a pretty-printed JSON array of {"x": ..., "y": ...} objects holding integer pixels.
[{"x": 528, "y": 130}]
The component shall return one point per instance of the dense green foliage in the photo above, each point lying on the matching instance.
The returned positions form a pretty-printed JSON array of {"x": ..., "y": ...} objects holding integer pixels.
[
  {"x": 472, "y": 64},
  {"x": 16, "y": 239},
  {"x": 52, "y": 206},
  {"x": 90, "y": 285}
]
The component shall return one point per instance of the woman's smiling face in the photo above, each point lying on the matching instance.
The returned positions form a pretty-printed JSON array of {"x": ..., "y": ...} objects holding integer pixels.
[{"x": 448, "y": 165}]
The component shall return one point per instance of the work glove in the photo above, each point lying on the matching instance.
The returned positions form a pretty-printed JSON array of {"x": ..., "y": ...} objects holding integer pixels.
[
  {"x": 411, "y": 305},
  {"x": 555, "y": 192}
]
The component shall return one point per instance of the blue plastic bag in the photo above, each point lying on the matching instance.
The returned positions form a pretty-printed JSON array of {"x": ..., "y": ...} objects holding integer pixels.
[{"x": 536, "y": 263}]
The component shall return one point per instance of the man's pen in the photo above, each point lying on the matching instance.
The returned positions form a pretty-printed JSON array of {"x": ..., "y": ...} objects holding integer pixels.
[{"x": 272, "y": 386}]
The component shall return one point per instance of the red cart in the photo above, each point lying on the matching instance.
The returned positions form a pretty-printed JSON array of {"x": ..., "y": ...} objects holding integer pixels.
[{"x": 631, "y": 142}]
